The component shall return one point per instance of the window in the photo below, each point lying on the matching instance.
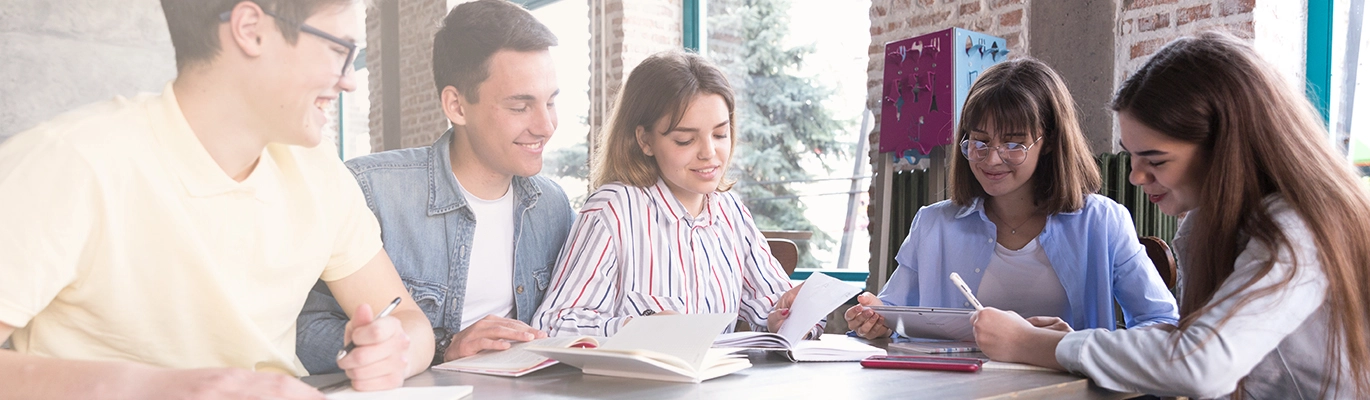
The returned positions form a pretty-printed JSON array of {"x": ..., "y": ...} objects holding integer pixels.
[{"x": 802, "y": 159}]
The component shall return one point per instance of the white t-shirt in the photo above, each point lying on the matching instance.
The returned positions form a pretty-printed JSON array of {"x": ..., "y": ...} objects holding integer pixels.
[
  {"x": 1023, "y": 281},
  {"x": 490, "y": 274}
]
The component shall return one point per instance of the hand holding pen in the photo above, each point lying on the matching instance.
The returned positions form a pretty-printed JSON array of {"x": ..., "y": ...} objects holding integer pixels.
[
  {"x": 376, "y": 355},
  {"x": 384, "y": 313}
]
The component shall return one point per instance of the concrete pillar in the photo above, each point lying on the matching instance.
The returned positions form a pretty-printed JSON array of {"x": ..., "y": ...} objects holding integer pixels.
[{"x": 1076, "y": 38}]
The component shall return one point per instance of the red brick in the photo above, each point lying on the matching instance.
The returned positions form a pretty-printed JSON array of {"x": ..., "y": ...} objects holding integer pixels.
[
  {"x": 1011, "y": 18},
  {"x": 1244, "y": 30},
  {"x": 1140, "y": 4},
  {"x": 927, "y": 3},
  {"x": 970, "y": 8},
  {"x": 929, "y": 19},
  {"x": 982, "y": 24},
  {"x": 1011, "y": 41},
  {"x": 1146, "y": 47},
  {"x": 997, "y": 4},
  {"x": 1233, "y": 7},
  {"x": 879, "y": 11},
  {"x": 1191, "y": 14},
  {"x": 1153, "y": 22}
]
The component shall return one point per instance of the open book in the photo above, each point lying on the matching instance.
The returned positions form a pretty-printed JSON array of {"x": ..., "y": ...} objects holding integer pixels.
[
  {"x": 516, "y": 361},
  {"x": 830, "y": 348},
  {"x": 661, "y": 347}
]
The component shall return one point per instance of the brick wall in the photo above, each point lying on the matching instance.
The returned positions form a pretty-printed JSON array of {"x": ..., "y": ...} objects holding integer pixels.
[
  {"x": 1146, "y": 25},
  {"x": 893, "y": 20},
  {"x": 654, "y": 25},
  {"x": 419, "y": 113}
]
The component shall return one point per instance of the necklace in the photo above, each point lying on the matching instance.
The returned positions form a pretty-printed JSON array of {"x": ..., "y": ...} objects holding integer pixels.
[{"x": 1013, "y": 229}]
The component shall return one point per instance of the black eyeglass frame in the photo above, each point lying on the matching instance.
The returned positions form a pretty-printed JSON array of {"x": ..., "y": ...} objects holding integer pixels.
[{"x": 350, "y": 45}]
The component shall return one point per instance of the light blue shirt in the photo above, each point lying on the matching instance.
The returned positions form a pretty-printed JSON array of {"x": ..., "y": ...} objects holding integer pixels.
[
  {"x": 427, "y": 228},
  {"x": 1094, "y": 251}
]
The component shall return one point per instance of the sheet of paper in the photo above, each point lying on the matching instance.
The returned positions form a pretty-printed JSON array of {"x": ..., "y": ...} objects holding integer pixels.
[
  {"x": 514, "y": 357},
  {"x": 819, "y": 296},
  {"x": 687, "y": 336},
  {"x": 407, "y": 393}
]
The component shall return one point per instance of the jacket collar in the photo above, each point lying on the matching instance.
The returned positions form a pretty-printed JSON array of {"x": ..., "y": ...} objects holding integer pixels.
[{"x": 444, "y": 193}]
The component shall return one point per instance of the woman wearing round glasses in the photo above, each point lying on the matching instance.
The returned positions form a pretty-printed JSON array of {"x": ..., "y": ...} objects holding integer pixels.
[{"x": 1022, "y": 226}]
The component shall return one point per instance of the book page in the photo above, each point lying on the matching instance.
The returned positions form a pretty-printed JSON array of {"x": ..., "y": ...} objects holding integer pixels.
[
  {"x": 687, "y": 336},
  {"x": 410, "y": 393},
  {"x": 752, "y": 340},
  {"x": 515, "y": 358},
  {"x": 820, "y": 295}
]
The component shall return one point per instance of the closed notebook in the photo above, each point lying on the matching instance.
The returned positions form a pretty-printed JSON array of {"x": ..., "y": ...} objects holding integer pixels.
[
  {"x": 829, "y": 348},
  {"x": 663, "y": 347},
  {"x": 516, "y": 361}
]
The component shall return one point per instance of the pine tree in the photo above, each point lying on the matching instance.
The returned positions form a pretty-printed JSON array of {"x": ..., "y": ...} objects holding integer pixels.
[{"x": 782, "y": 124}]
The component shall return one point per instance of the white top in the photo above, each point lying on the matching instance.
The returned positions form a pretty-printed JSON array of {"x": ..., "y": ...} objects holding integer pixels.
[
  {"x": 1023, "y": 281},
  {"x": 635, "y": 249},
  {"x": 490, "y": 274},
  {"x": 1279, "y": 341}
]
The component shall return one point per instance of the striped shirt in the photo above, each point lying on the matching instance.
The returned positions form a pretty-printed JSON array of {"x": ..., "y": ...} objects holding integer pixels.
[{"x": 635, "y": 249}]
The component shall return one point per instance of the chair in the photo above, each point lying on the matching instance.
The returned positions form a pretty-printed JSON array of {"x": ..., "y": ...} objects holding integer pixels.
[
  {"x": 1159, "y": 253},
  {"x": 786, "y": 252}
]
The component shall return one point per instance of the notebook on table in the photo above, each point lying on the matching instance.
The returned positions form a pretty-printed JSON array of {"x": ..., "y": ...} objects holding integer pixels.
[{"x": 830, "y": 348}]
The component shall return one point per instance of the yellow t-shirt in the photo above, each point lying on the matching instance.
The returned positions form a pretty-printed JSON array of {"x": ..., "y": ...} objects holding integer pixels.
[{"x": 121, "y": 239}]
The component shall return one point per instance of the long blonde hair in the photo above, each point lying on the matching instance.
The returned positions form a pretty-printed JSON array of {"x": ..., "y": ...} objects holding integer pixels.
[
  {"x": 662, "y": 86},
  {"x": 1259, "y": 136}
]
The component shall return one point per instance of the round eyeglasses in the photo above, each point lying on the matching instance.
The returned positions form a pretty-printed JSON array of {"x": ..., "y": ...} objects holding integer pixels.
[{"x": 1013, "y": 153}]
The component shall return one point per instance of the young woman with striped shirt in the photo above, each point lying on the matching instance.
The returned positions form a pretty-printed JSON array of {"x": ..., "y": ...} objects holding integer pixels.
[{"x": 662, "y": 234}]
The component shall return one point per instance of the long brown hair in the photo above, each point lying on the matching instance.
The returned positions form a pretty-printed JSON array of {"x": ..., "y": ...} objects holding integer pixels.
[
  {"x": 661, "y": 86},
  {"x": 1027, "y": 95},
  {"x": 1258, "y": 136}
]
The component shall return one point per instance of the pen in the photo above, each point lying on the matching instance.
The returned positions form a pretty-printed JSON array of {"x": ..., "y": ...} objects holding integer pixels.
[
  {"x": 960, "y": 284},
  {"x": 383, "y": 313}
]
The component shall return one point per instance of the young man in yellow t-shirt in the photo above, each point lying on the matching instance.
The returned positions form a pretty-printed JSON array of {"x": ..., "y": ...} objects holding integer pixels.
[{"x": 162, "y": 246}]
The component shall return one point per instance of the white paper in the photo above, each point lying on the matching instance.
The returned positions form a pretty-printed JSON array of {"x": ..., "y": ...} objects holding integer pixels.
[
  {"x": 820, "y": 295},
  {"x": 687, "y": 336},
  {"x": 407, "y": 393}
]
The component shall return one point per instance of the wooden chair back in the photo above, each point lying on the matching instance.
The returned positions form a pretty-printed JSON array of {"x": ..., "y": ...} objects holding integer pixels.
[{"x": 1159, "y": 253}]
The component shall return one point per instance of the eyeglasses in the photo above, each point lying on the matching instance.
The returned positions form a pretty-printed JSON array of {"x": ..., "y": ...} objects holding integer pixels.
[
  {"x": 1013, "y": 153},
  {"x": 350, "y": 45}
]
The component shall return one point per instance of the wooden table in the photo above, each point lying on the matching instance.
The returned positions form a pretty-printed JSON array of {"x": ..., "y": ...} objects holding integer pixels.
[{"x": 773, "y": 377}]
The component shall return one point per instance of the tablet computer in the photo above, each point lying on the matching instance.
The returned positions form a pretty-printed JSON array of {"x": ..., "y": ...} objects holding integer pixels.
[{"x": 928, "y": 322}]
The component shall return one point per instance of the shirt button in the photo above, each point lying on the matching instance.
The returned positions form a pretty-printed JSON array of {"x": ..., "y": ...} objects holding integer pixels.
[
  {"x": 966, "y": 304},
  {"x": 990, "y": 240},
  {"x": 977, "y": 270},
  {"x": 519, "y": 289}
]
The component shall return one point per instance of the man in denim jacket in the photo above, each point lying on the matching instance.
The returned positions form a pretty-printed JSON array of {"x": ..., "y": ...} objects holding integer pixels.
[{"x": 472, "y": 231}]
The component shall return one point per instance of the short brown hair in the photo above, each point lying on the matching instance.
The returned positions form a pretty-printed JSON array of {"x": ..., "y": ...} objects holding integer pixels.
[
  {"x": 1026, "y": 94},
  {"x": 194, "y": 24},
  {"x": 661, "y": 86},
  {"x": 474, "y": 31}
]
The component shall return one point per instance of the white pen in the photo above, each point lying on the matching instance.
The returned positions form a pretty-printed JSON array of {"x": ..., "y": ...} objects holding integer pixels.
[
  {"x": 960, "y": 284},
  {"x": 383, "y": 314}
]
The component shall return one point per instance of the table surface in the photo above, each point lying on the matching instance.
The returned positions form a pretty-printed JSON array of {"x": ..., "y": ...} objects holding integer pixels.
[{"x": 772, "y": 376}]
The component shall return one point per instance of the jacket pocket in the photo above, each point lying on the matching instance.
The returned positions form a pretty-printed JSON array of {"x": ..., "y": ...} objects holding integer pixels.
[{"x": 428, "y": 296}]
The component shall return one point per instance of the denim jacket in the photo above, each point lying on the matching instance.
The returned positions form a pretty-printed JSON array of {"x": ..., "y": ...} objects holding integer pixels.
[
  {"x": 1094, "y": 251},
  {"x": 427, "y": 229}
]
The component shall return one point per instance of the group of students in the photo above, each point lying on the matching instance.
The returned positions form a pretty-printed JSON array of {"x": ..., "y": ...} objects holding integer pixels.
[{"x": 195, "y": 241}]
